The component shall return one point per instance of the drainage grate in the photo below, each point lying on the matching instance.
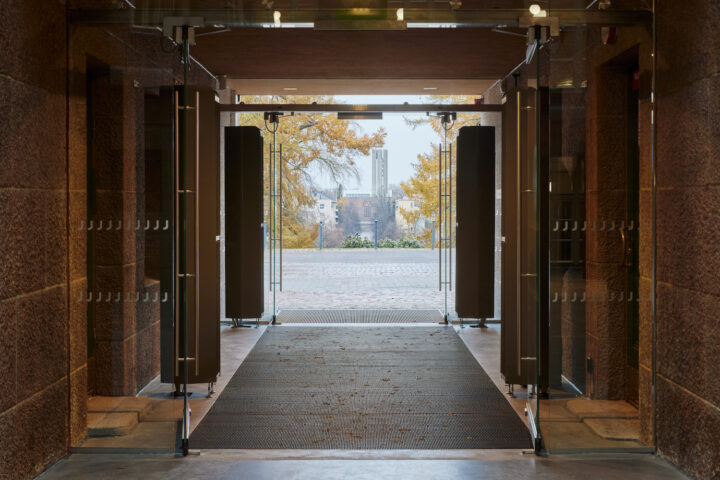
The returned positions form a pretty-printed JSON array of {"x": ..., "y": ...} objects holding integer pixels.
[
  {"x": 360, "y": 316},
  {"x": 361, "y": 387}
]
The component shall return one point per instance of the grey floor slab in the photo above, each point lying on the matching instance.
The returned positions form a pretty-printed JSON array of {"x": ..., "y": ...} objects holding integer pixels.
[{"x": 509, "y": 465}]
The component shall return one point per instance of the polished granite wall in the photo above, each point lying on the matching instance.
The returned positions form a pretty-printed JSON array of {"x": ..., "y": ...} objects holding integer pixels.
[
  {"x": 43, "y": 224},
  {"x": 35, "y": 371},
  {"x": 688, "y": 235}
]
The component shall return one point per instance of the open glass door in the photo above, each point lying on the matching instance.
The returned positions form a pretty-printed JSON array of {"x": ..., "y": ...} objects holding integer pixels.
[
  {"x": 275, "y": 212},
  {"x": 446, "y": 215},
  {"x": 595, "y": 122}
]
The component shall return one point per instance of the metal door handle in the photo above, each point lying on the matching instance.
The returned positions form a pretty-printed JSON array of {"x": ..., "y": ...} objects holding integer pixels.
[{"x": 627, "y": 248}]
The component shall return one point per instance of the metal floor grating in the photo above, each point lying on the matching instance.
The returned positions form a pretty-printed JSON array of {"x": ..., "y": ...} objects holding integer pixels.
[
  {"x": 360, "y": 316},
  {"x": 360, "y": 387}
]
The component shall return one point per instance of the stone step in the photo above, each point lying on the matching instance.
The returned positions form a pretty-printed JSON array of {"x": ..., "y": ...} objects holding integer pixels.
[
  {"x": 615, "y": 428},
  {"x": 585, "y": 408},
  {"x": 111, "y": 424},
  {"x": 140, "y": 406}
]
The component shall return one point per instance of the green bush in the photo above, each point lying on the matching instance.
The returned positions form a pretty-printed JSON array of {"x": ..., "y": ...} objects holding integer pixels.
[
  {"x": 409, "y": 242},
  {"x": 387, "y": 243},
  {"x": 356, "y": 241}
]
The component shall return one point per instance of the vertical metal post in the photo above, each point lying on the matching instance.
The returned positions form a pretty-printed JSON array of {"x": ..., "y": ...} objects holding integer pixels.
[
  {"x": 183, "y": 253},
  {"x": 376, "y": 234},
  {"x": 280, "y": 210},
  {"x": 432, "y": 236},
  {"x": 446, "y": 225},
  {"x": 321, "y": 234},
  {"x": 450, "y": 216},
  {"x": 440, "y": 217}
]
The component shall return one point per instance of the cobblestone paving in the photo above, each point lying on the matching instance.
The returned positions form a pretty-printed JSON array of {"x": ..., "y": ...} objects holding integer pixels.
[{"x": 361, "y": 279}]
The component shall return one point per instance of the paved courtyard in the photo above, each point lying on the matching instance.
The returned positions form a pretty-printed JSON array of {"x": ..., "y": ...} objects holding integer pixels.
[{"x": 361, "y": 279}]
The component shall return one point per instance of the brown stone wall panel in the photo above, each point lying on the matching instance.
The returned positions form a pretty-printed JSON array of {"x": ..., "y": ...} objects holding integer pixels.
[
  {"x": 602, "y": 208},
  {"x": 148, "y": 312},
  {"x": 611, "y": 88},
  {"x": 616, "y": 372},
  {"x": 146, "y": 344},
  {"x": 8, "y": 355},
  {"x": 645, "y": 405},
  {"x": 115, "y": 370},
  {"x": 32, "y": 136},
  {"x": 56, "y": 236},
  {"x": 688, "y": 135},
  {"x": 644, "y": 230},
  {"x": 688, "y": 47},
  {"x": 132, "y": 121},
  {"x": 140, "y": 235},
  {"x": 33, "y": 434},
  {"x": 644, "y": 144},
  {"x": 605, "y": 283},
  {"x": 645, "y": 321},
  {"x": 77, "y": 139},
  {"x": 591, "y": 351},
  {"x": 78, "y": 323},
  {"x": 684, "y": 319},
  {"x": 130, "y": 386},
  {"x": 113, "y": 246},
  {"x": 78, "y": 405},
  {"x": 688, "y": 233},
  {"x": 42, "y": 340},
  {"x": 22, "y": 215},
  {"x": 712, "y": 358},
  {"x": 78, "y": 234},
  {"x": 33, "y": 44},
  {"x": 115, "y": 319},
  {"x": 687, "y": 430},
  {"x": 108, "y": 152},
  {"x": 606, "y": 137}
]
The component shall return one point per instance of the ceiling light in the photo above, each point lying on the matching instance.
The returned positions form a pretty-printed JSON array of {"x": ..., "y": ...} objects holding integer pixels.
[
  {"x": 289, "y": 89},
  {"x": 276, "y": 17},
  {"x": 400, "y": 14},
  {"x": 429, "y": 88},
  {"x": 535, "y": 9}
]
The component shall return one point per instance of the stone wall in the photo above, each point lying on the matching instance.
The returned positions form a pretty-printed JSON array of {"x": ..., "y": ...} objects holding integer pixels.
[
  {"x": 43, "y": 224},
  {"x": 688, "y": 235},
  {"x": 36, "y": 373}
]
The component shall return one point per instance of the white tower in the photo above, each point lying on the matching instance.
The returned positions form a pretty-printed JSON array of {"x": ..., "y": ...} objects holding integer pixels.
[{"x": 379, "y": 173}]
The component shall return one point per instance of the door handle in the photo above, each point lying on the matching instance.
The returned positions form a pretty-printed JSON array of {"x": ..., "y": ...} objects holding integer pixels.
[{"x": 627, "y": 247}]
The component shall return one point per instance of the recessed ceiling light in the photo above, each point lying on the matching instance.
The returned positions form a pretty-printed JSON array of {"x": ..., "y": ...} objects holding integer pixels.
[
  {"x": 429, "y": 88},
  {"x": 289, "y": 89}
]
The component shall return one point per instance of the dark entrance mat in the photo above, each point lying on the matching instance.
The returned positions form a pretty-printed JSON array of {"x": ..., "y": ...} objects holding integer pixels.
[
  {"x": 360, "y": 316},
  {"x": 360, "y": 388}
]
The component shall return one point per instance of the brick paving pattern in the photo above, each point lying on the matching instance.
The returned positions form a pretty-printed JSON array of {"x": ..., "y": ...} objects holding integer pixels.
[{"x": 361, "y": 279}]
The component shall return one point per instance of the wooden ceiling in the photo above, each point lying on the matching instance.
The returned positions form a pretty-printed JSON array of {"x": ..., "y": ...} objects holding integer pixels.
[{"x": 333, "y": 56}]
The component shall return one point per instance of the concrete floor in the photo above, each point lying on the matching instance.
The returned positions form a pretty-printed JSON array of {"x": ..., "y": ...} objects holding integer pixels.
[
  {"x": 500, "y": 464},
  {"x": 339, "y": 464}
]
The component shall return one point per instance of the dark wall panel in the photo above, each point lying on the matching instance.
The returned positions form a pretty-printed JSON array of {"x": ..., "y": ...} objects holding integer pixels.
[
  {"x": 243, "y": 222},
  {"x": 475, "y": 241}
]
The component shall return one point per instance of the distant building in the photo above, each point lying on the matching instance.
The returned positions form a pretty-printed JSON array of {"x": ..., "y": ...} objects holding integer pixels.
[
  {"x": 408, "y": 205},
  {"x": 324, "y": 209},
  {"x": 379, "y": 173}
]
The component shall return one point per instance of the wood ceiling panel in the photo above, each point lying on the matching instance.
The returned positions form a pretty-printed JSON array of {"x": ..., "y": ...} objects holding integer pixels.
[{"x": 453, "y": 53}]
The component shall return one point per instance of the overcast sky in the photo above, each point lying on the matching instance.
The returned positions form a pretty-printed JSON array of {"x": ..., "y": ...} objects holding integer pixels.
[{"x": 402, "y": 142}]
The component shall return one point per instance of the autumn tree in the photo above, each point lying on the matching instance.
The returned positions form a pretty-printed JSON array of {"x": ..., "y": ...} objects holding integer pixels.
[
  {"x": 311, "y": 143},
  {"x": 423, "y": 185}
]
